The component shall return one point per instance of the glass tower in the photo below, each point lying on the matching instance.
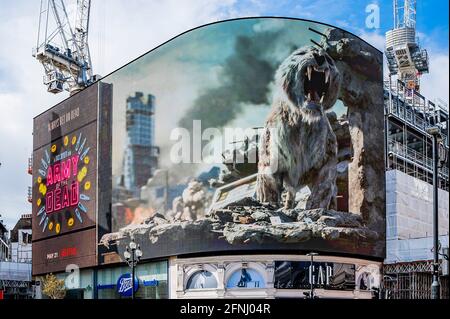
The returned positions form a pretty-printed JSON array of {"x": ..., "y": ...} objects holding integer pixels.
[{"x": 141, "y": 155}]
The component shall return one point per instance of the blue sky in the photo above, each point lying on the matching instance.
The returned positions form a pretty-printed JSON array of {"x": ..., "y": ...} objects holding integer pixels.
[
  {"x": 122, "y": 30},
  {"x": 432, "y": 18}
]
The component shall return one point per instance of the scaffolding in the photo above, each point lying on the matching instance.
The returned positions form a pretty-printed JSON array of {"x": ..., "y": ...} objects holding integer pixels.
[
  {"x": 413, "y": 163},
  {"x": 408, "y": 116},
  {"x": 408, "y": 145}
]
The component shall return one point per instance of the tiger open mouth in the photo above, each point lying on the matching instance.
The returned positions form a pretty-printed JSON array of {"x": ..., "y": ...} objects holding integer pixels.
[{"x": 316, "y": 84}]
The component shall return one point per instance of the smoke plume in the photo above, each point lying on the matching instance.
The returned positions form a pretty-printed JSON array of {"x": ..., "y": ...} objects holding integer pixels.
[{"x": 245, "y": 78}]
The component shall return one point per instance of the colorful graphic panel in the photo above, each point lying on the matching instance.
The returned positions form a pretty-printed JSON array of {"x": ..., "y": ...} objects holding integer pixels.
[
  {"x": 67, "y": 177},
  {"x": 65, "y": 187}
]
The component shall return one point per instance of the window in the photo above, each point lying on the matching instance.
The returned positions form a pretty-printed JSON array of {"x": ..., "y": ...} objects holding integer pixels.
[
  {"x": 152, "y": 281},
  {"x": 202, "y": 279},
  {"x": 366, "y": 281},
  {"x": 246, "y": 278},
  {"x": 297, "y": 275}
]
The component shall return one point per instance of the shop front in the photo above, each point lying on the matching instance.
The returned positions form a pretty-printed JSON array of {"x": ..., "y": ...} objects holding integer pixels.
[
  {"x": 151, "y": 281},
  {"x": 273, "y": 276},
  {"x": 78, "y": 283}
]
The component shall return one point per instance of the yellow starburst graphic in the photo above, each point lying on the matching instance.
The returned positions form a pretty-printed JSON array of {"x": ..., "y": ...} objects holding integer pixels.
[
  {"x": 70, "y": 222},
  {"x": 42, "y": 189},
  {"x": 80, "y": 176}
]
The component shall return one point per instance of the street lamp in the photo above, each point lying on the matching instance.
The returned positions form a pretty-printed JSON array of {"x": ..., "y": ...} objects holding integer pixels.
[
  {"x": 311, "y": 274},
  {"x": 435, "y": 286},
  {"x": 132, "y": 254}
]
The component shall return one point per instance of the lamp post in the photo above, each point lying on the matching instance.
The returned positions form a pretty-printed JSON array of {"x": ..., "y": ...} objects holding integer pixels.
[
  {"x": 311, "y": 274},
  {"x": 132, "y": 254},
  {"x": 435, "y": 286}
]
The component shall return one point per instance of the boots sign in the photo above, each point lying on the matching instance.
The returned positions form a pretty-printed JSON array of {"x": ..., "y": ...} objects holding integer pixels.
[{"x": 124, "y": 285}]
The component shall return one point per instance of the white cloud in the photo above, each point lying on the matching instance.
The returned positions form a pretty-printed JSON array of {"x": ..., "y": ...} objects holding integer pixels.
[
  {"x": 268, "y": 25},
  {"x": 374, "y": 38},
  {"x": 122, "y": 31},
  {"x": 435, "y": 85}
]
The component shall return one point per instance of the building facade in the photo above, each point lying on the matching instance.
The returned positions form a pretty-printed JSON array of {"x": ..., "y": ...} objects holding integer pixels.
[
  {"x": 106, "y": 282},
  {"x": 15, "y": 261},
  {"x": 409, "y": 192},
  {"x": 21, "y": 248},
  {"x": 273, "y": 277},
  {"x": 411, "y": 119}
]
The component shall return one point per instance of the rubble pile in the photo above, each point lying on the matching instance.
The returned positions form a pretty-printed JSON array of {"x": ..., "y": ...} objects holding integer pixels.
[{"x": 250, "y": 222}]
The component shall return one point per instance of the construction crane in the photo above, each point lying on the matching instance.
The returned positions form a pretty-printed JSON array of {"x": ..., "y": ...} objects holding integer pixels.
[
  {"x": 63, "y": 50},
  {"x": 404, "y": 56}
]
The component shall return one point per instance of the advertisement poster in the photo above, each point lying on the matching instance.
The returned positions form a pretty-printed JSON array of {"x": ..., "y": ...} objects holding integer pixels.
[
  {"x": 65, "y": 183},
  {"x": 253, "y": 134}
]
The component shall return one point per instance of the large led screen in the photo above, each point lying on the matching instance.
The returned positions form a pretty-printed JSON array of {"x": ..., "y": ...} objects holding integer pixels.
[
  {"x": 65, "y": 166},
  {"x": 65, "y": 181},
  {"x": 249, "y": 135}
]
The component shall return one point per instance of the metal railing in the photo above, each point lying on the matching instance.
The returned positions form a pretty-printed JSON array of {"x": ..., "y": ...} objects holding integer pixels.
[
  {"x": 15, "y": 271},
  {"x": 416, "y": 159},
  {"x": 411, "y": 106}
]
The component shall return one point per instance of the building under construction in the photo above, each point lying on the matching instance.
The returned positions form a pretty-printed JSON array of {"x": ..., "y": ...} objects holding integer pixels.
[{"x": 409, "y": 165}]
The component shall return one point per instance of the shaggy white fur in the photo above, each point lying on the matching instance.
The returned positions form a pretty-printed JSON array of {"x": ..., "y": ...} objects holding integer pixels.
[{"x": 298, "y": 146}]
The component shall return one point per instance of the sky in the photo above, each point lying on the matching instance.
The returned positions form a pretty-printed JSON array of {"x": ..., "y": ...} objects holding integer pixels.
[{"x": 123, "y": 30}]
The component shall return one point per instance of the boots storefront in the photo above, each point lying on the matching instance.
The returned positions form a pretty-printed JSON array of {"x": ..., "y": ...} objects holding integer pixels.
[{"x": 150, "y": 281}]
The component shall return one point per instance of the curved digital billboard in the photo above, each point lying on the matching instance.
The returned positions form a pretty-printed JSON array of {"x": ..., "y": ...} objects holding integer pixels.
[{"x": 261, "y": 134}]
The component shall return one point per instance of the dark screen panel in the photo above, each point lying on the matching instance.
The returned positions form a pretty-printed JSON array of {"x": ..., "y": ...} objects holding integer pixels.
[{"x": 55, "y": 254}]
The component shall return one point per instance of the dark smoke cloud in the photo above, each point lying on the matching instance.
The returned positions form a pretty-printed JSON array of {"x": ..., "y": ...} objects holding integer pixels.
[{"x": 245, "y": 78}]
